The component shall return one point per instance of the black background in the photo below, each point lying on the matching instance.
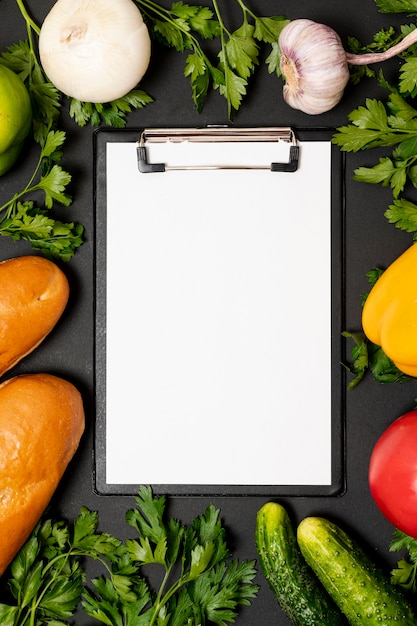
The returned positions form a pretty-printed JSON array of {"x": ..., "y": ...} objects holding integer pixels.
[{"x": 370, "y": 241}]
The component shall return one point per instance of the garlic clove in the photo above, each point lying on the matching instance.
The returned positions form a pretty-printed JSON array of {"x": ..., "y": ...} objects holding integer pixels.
[
  {"x": 313, "y": 63},
  {"x": 94, "y": 50}
]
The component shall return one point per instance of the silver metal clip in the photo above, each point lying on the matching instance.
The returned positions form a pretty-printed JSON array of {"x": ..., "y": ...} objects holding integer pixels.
[{"x": 217, "y": 134}]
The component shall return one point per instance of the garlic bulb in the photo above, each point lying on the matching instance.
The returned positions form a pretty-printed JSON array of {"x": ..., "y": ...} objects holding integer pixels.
[
  {"x": 316, "y": 67},
  {"x": 94, "y": 50},
  {"x": 313, "y": 63}
]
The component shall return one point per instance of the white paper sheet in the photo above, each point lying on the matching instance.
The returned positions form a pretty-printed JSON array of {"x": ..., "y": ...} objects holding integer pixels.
[{"x": 218, "y": 335}]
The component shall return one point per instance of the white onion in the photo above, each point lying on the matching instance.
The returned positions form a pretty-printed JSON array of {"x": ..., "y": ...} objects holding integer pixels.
[{"x": 94, "y": 50}]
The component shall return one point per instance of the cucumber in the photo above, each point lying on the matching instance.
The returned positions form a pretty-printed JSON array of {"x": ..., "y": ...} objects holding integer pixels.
[
  {"x": 298, "y": 591},
  {"x": 361, "y": 590}
]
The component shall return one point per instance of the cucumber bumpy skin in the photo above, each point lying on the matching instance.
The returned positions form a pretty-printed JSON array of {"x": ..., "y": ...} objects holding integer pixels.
[
  {"x": 296, "y": 588},
  {"x": 361, "y": 590}
]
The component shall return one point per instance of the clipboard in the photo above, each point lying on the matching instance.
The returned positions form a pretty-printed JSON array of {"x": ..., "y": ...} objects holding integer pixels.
[{"x": 219, "y": 266}]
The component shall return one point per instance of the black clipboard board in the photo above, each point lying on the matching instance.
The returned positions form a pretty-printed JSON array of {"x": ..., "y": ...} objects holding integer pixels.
[{"x": 219, "y": 312}]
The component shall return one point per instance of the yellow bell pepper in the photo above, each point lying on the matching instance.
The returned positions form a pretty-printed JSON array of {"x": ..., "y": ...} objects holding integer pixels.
[{"x": 389, "y": 316}]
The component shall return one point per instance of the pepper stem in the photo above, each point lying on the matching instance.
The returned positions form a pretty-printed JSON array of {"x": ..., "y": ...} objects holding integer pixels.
[{"x": 378, "y": 57}]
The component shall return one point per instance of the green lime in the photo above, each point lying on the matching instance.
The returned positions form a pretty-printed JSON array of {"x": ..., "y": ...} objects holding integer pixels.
[{"x": 15, "y": 117}]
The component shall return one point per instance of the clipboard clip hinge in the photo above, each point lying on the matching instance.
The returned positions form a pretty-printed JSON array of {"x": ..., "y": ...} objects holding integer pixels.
[{"x": 220, "y": 135}]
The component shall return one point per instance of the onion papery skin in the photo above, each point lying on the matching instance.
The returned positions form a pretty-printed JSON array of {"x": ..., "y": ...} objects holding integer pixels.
[
  {"x": 313, "y": 62},
  {"x": 94, "y": 50}
]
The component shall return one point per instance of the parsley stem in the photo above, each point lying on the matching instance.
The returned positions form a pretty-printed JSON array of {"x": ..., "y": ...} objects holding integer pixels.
[
  {"x": 161, "y": 600},
  {"x": 220, "y": 19},
  {"x": 27, "y": 189},
  {"x": 29, "y": 21}
]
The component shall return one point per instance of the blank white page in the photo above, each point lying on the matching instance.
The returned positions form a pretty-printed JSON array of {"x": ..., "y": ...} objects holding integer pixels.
[{"x": 218, "y": 319}]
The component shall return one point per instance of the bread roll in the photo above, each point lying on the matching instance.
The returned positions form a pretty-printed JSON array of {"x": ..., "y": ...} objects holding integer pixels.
[
  {"x": 41, "y": 423},
  {"x": 33, "y": 296}
]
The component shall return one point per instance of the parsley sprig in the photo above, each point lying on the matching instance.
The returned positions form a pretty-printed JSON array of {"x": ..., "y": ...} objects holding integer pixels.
[
  {"x": 389, "y": 123},
  {"x": 47, "y": 576},
  {"x": 377, "y": 124},
  {"x": 187, "y": 27},
  {"x": 381, "y": 41},
  {"x": 405, "y": 574},
  {"x": 23, "y": 220},
  {"x": 397, "y": 6},
  {"x": 199, "y": 583},
  {"x": 367, "y": 356}
]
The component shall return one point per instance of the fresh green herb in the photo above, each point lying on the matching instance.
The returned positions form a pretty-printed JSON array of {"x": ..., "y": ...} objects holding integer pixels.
[
  {"x": 382, "y": 40},
  {"x": 389, "y": 124},
  {"x": 199, "y": 584},
  {"x": 397, "y": 6},
  {"x": 367, "y": 356},
  {"x": 185, "y": 27},
  {"x": 403, "y": 214},
  {"x": 377, "y": 124},
  {"x": 110, "y": 113},
  {"x": 405, "y": 574},
  {"x": 22, "y": 220},
  {"x": 47, "y": 576}
]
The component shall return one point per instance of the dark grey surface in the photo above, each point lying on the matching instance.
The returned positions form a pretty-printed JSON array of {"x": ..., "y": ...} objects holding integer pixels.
[{"x": 370, "y": 241}]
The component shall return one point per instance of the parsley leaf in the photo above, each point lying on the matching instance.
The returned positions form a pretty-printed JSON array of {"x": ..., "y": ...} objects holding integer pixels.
[
  {"x": 370, "y": 127},
  {"x": 405, "y": 574},
  {"x": 397, "y": 6},
  {"x": 403, "y": 214},
  {"x": 110, "y": 113},
  {"x": 408, "y": 77},
  {"x": 367, "y": 356}
]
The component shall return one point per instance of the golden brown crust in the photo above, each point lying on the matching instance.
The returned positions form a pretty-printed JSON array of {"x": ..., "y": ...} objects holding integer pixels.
[
  {"x": 41, "y": 423},
  {"x": 33, "y": 295}
]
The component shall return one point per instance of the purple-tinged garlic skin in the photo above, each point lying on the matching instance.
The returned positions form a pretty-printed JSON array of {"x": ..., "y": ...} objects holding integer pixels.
[{"x": 313, "y": 63}]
